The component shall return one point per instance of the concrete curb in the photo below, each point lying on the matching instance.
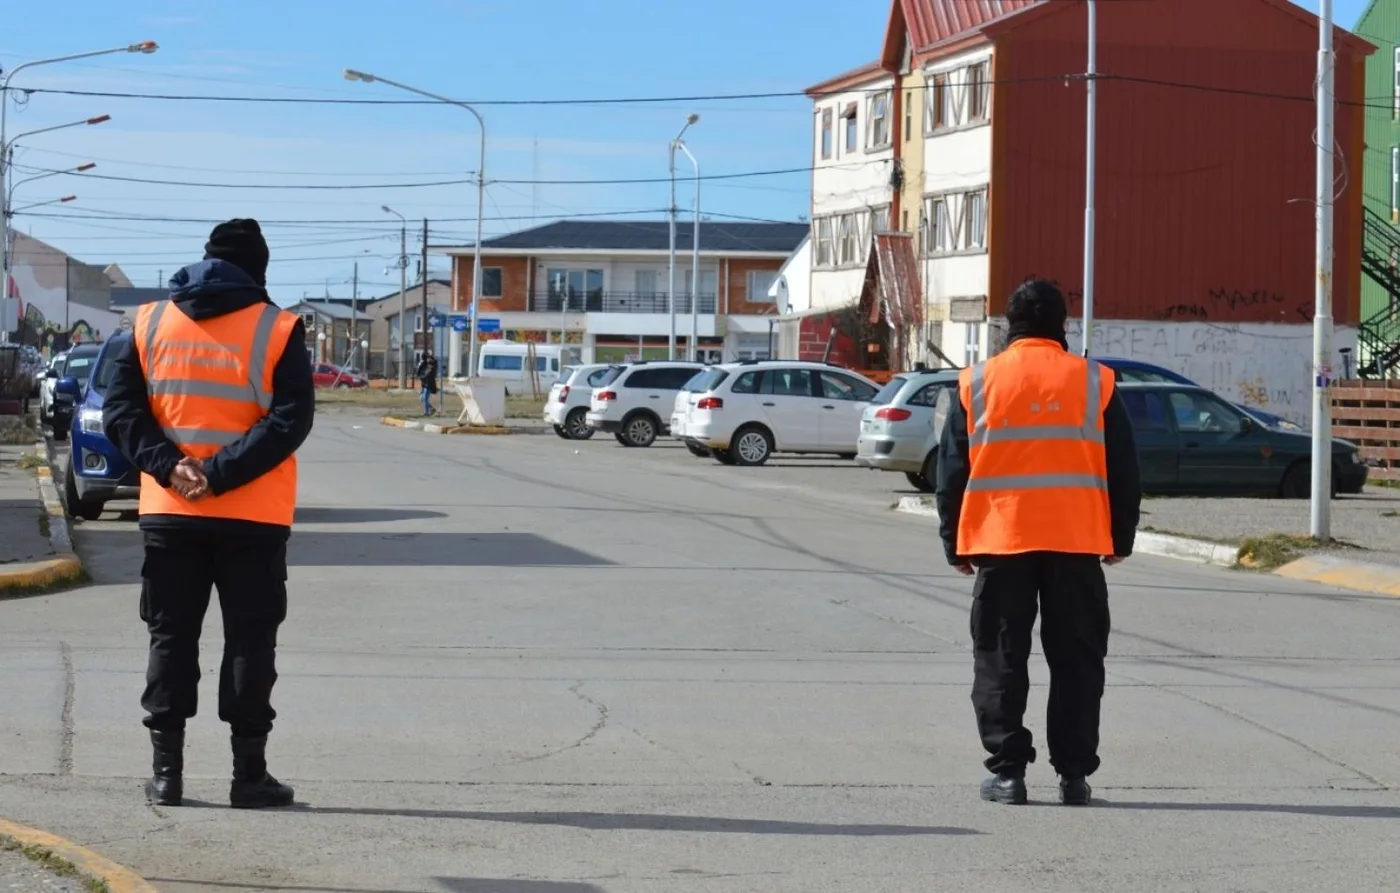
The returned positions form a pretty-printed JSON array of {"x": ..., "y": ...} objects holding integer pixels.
[
  {"x": 64, "y": 566},
  {"x": 118, "y": 878},
  {"x": 1329, "y": 570},
  {"x": 435, "y": 428}
]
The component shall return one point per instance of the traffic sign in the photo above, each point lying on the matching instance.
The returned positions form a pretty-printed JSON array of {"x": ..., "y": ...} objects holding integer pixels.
[
  {"x": 488, "y": 325},
  {"x": 436, "y": 320},
  {"x": 460, "y": 323}
]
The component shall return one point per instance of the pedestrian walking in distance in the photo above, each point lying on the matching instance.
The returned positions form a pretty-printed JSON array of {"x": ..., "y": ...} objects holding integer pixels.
[
  {"x": 1037, "y": 489},
  {"x": 427, "y": 379},
  {"x": 211, "y": 399}
]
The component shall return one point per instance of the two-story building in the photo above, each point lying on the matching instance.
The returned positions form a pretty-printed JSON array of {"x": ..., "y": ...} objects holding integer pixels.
[
  {"x": 1379, "y": 346},
  {"x": 968, "y": 134},
  {"x": 604, "y": 285}
]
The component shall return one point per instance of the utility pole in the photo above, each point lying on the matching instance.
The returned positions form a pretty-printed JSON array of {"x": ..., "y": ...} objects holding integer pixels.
[
  {"x": 423, "y": 267},
  {"x": 1090, "y": 147},
  {"x": 1321, "y": 521},
  {"x": 403, "y": 299}
]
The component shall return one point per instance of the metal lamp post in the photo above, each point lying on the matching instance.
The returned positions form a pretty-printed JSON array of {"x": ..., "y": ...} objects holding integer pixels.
[
  {"x": 695, "y": 261},
  {"x": 403, "y": 299},
  {"x": 1090, "y": 151},
  {"x": 455, "y": 344},
  {"x": 671, "y": 289},
  {"x": 146, "y": 47}
]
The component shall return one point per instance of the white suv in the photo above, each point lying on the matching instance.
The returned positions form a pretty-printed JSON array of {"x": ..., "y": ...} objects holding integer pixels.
[
  {"x": 748, "y": 411},
  {"x": 566, "y": 408},
  {"x": 633, "y": 402}
]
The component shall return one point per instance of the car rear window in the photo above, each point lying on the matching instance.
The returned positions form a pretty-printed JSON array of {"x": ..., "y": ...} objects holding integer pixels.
[
  {"x": 887, "y": 393},
  {"x": 610, "y": 376},
  {"x": 79, "y": 367},
  {"x": 707, "y": 380}
]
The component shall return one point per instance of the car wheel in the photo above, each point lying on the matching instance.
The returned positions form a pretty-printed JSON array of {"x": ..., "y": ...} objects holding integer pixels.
[
  {"x": 849, "y": 457},
  {"x": 724, "y": 457},
  {"x": 919, "y": 482},
  {"x": 698, "y": 450},
  {"x": 930, "y": 470},
  {"x": 561, "y": 431},
  {"x": 751, "y": 446},
  {"x": 576, "y": 423},
  {"x": 88, "y": 511},
  {"x": 622, "y": 439},
  {"x": 1297, "y": 481},
  {"x": 60, "y": 432},
  {"x": 640, "y": 430}
]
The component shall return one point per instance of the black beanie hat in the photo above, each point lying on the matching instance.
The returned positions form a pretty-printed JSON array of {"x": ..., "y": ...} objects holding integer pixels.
[
  {"x": 241, "y": 243},
  {"x": 1037, "y": 310}
]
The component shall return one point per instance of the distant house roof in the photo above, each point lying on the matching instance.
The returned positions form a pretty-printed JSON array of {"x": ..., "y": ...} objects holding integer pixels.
[
  {"x": 330, "y": 309},
  {"x": 415, "y": 290},
  {"x": 135, "y": 297},
  {"x": 645, "y": 236}
]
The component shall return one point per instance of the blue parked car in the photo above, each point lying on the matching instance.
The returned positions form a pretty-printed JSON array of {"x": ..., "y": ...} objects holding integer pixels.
[
  {"x": 97, "y": 473},
  {"x": 1136, "y": 370}
]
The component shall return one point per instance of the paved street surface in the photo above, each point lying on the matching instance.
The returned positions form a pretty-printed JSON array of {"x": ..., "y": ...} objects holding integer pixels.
[
  {"x": 522, "y": 665},
  {"x": 21, "y": 537},
  {"x": 18, "y": 874}
]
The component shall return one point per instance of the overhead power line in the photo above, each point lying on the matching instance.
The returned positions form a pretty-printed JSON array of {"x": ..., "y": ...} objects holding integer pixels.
[{"x": 386, "y": 225}]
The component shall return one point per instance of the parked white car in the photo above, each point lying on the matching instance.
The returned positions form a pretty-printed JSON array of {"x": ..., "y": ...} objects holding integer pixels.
[
  {"x": 566, "y": 408},
  {"x": 633, "y": 402},
  {"x": 751, "y": 410},
  {"x": 680, "y": 411},
  {"x": 901, "y": 428}
]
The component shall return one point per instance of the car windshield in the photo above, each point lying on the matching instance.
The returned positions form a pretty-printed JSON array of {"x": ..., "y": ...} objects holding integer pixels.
[
  {"x": 102, "y": 375},
  {"x": 707, "y": 380},
  {"x": 886, "y": 394}
]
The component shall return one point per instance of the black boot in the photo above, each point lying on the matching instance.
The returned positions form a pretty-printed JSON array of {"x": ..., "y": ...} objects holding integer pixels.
[
  {"x": 1075, "y": 791},
  {"x": 167, "y": 784},
  {"x": 253, "y": 787},
  {"x": 1005, "y": 789}
]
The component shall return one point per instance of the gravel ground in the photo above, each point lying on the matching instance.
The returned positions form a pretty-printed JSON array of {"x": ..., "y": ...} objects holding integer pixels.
[
  {"x": 1370, "y": 520},
  {"x": 19, "y": 875}
]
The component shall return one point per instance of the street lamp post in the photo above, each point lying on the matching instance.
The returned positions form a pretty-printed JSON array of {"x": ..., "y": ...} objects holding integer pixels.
[
  {"x": 671, "y": 287},
  {"x": 695, "y": 262},
  {"x": 146, "y": 46},
  {"x": 403, "y": 299},
  {"x": 455, "y": 344}
]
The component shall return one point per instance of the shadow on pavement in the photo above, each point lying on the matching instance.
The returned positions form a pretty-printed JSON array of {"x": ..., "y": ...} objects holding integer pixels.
[
  {"x": 606, "y": 821},
  {"x": 356, "y": 515},
  {"x": 1332, "y": 812},
  {"x": 312, "y": 548}
]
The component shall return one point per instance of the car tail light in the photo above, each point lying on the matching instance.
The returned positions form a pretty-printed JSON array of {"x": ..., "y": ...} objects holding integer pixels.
[
  {"x": 710, "y": 403},
  {"x": 892, "y": 414},
  {"x": 563, "y": 393},
  {"x": 605, "y": 395}
]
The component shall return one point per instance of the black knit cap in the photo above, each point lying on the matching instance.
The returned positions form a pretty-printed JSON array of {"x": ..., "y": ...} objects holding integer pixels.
[
  {"x": 241, "y": 243},
  {"x": 1037, "y": 309}
]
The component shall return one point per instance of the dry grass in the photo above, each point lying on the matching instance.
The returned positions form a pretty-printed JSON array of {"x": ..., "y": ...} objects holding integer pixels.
[
  {"x": 409, "y": 404},
  {"x": 56, "y": 864}
]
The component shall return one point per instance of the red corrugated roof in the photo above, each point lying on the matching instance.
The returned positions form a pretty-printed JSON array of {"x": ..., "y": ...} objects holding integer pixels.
[{"x": 932, "y": 21}]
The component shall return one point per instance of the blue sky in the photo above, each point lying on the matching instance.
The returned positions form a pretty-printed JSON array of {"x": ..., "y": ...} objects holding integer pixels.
[{"x": 470, "y": 49}]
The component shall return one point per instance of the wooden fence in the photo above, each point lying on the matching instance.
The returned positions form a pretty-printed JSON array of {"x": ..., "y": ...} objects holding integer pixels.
[{"x": 1368, "y": 414}]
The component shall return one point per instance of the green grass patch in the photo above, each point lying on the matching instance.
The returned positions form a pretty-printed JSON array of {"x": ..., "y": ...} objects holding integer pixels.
[
  {"x": 56, "y": 865},
  {"x": 31, "y": 461},
  {"x": 45, "y": 526},
  {"x": 1266, "y": 553},
  {"x": 1385, "y": 484}
]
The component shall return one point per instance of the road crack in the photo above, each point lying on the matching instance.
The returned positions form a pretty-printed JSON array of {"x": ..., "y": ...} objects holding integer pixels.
[{"x": 65, "y": 723}]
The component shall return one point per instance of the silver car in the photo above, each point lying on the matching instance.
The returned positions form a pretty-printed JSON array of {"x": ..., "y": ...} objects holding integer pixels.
[{"x": 900, "y": 429}]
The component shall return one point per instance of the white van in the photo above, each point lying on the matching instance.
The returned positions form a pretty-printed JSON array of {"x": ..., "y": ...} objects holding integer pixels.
[{"x": 506, "y": 360}]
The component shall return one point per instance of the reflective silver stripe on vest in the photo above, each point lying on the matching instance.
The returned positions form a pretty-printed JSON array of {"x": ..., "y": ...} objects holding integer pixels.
[
  {"x": 983, "y": 433},
  {"x": 201, "y": 437},
  {"x": 1037, "y": 482},
  {"x": 188, "y": 387}
]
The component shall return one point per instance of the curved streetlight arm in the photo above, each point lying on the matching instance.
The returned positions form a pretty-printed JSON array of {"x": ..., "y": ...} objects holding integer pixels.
[
  {"x": 55, "y": 201},
  {"x": 145, "y": 46}
]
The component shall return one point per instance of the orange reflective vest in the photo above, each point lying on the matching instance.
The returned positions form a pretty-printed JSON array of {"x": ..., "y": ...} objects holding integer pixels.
[
  {"x": 1038, "y": 472},
  {"x": 208, "y": 382}
]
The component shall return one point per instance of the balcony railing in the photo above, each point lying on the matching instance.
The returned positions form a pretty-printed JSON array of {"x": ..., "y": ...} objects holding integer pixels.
[{"x": 620, "y": 302}]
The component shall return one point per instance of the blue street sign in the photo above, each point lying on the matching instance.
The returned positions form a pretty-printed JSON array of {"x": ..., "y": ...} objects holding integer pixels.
[
  {"x": 460, "y": 323},
  {"x": 436, "y": 320},
  {"x": 488, "y": 325}
]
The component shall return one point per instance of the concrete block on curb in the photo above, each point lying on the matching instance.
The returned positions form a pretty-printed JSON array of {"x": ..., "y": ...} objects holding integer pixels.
[
  {"x": 1168, "y": 546},
  {"x": 1334, "y": 570},
  {"x": 916, "y": 505}
]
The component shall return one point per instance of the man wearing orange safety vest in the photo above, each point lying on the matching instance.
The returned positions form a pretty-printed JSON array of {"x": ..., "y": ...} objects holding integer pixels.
[
  {"x": 1037, "y": 486},
  {"x": 210, "y": 399}
]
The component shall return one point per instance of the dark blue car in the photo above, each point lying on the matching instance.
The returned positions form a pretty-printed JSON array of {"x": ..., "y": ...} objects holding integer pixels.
[
  {"x": 97, "y": 473},
  {"x": 1136, "y": 370}
]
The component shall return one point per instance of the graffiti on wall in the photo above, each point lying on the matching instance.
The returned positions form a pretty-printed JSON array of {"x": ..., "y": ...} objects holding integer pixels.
[{"x": 1266, "y": 365}]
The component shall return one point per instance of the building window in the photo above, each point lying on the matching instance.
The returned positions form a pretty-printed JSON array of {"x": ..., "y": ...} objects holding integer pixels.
[
  {"x": 308, "y": 321},
  {"x": 978, "y": 92},
  {"x": 936, "y": 115},
  {"x": 908, "y": 114},
  {"x": 975, "y": 219},
  {"x": 826, "y": 133},
  {"x": 972, "y": 349},
  {"x": 880, "y": 219},
  {"x": 1395, "y": 111},
  {"x": 826, "y": 243},
  {"x": 848, "y": 240},
  {"x": 940, "y": 225},
  {"x": 579, "y": 290},
  {"x": 879, "y": 120},
  {"x": 852, "y": 132},
  {"x": 759, "y": 283},
  {"x": 492, "y": 282}
]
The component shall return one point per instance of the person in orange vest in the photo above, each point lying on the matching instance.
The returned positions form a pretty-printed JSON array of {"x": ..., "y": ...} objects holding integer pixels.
[
  {"x": 1037, "y": 489},
  {"x": 210, "y": 399}
]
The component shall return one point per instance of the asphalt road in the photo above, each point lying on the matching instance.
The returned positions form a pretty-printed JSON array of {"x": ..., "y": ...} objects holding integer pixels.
[{"x": 511, "y": 667}]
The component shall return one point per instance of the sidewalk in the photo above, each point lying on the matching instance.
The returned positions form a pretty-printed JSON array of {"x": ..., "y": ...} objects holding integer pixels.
[{"x": 35, "y": 550}]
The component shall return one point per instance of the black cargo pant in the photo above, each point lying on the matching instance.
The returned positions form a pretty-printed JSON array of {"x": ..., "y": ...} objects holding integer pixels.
[
  {"x": 180, "y": 570},
  {"x": 1073, "y": 597}
]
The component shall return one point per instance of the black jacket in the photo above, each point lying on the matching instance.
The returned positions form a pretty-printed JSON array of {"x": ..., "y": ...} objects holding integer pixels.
[
  {"x": 205, "y": 290},
  {"x": 1124, "y": 487}
]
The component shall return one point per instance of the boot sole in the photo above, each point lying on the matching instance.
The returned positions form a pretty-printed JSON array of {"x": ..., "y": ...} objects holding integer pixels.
[
  {"x": 1005, "y": 799},
  {"x": 166, "y": 800}
]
